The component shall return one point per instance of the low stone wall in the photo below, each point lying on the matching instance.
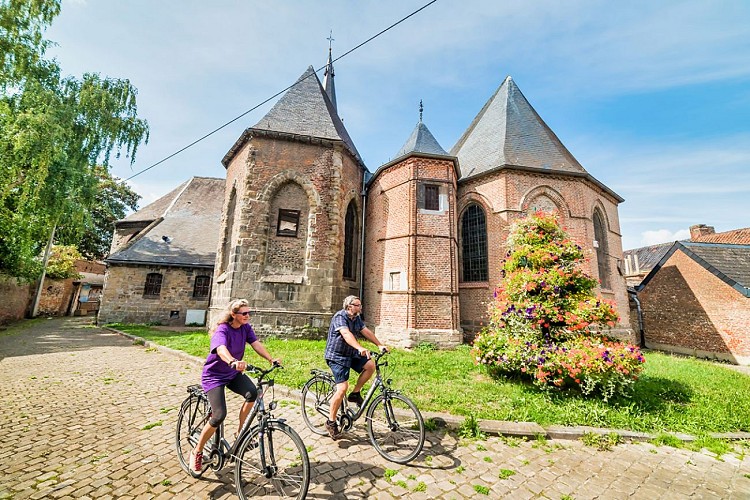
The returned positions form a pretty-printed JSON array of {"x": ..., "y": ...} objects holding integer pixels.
[{"x": 16, "y": 299}]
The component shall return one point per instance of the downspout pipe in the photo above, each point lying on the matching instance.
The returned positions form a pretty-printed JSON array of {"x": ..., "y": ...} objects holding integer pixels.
[
  {"x": 362, "y": 240},
  {"x": 641, "y": 333}
]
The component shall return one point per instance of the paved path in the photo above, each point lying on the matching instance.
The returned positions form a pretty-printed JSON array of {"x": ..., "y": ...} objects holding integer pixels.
[{"x": 77, "y": 400}]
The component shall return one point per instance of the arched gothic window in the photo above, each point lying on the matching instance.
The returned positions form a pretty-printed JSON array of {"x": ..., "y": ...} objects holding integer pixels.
[
  {"x": 350, "y": 241},
  {"x": 602, "y": 252},
  {"x": 474, "y": 244}
]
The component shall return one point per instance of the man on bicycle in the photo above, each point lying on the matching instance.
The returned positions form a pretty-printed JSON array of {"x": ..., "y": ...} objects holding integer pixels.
[{"x": 344, "y": 353}]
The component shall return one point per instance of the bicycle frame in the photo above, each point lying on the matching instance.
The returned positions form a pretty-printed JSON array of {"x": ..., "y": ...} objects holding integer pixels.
[
  {"x": 377, "y": 383},
  {"x": 225, "y": 449}
]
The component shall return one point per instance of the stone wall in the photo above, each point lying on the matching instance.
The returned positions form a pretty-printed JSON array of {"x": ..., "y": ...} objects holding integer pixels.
[
  {"x": 689, "y": 310},
  {"x": 287, "y": 280},
  {"x": 123, "y": 299}
]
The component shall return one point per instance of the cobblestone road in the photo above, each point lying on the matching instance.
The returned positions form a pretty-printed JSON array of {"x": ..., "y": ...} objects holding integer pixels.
[{"x": 87, "y": 414}]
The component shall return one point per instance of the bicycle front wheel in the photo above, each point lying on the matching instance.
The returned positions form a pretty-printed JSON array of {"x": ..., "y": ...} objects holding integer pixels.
[
  {"x": 316, "y": 398},
  {"x": 193, "y": 416},
  {"x": 280, "y": 468},
  {"x": 395, "y": 427}
]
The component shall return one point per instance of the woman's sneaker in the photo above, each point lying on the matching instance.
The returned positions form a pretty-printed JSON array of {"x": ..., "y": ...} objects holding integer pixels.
[
  {"x": 333, "y": 429},
  {"x": 196, "y": 463}
]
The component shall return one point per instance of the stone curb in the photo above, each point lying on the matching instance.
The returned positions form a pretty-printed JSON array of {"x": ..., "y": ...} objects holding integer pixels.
[{"x": 495, "y": 427}]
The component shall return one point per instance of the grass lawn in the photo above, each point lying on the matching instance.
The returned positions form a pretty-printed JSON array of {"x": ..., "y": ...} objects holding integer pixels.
[{"x": 674, "y": 394}]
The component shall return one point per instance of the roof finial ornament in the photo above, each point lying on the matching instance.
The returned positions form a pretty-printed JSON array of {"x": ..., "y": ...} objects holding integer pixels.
[
  {"x": 421, "y": 108},
  {"x": 328, "y": 85}
]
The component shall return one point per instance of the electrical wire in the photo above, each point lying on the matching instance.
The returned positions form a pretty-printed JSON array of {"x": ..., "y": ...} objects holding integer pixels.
[{"x": 279, "y": 92}]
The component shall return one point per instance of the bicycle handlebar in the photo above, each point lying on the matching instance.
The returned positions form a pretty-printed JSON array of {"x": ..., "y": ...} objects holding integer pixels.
[{"x": 261, "y": 371}]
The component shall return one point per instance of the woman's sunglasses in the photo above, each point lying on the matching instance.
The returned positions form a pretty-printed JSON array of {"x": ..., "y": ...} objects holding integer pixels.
[{"x": 246, "y": 313}]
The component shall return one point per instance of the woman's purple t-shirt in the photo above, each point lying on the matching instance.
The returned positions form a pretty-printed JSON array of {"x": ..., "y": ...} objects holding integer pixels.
[{"x": 216, "y": 372}]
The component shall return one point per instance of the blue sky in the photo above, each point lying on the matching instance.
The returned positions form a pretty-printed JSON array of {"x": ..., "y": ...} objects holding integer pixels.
[{"x": 652, "y": 98}]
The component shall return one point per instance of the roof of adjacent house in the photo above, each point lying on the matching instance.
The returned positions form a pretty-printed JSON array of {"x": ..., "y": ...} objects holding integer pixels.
[
  {"x": 647, "y": 256},
  {"x": 508, "y": 132},
  {"x": 730, "y": 263},
  {"x": 183, "y": 227},
  {"x": 735, "y": 237},
  {"x": 305, "y": 110}
]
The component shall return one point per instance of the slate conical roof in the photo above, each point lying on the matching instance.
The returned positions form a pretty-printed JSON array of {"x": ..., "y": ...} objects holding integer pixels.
[
  {"x": 306, "y": 110},
  {"x": 508, "y": 131},
  {"x": 421, "y": 140}
]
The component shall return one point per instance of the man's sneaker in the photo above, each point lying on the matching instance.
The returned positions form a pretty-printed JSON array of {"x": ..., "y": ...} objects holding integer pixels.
[
  {"x": 333, "y": 429},
  {"x": 356, "y": 398},
  {"x": 196, "y": 463}
]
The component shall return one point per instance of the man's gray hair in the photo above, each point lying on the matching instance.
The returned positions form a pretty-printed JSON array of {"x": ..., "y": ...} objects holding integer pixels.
[{"x": 350, "y": 300}]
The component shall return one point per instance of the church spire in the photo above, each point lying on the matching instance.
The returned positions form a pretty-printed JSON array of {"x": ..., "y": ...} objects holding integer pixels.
[{"x": 328, "y": 85}]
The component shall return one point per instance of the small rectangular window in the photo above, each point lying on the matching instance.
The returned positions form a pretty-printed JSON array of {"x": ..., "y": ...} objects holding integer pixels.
[
  {"x": 202, "y": 287},
  {"x": 395, "y": 280},
  {"x": 153, "y": 285},
  {"x": 288, "y": 223},
  {"x": 431, "y": 197}
]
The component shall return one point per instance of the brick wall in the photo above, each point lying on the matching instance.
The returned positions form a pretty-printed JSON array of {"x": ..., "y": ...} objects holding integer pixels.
[
  {"x": 123, "y": 300},
  {"x": 688, "y": 309},
  {"x": 411, "y": 286},
  {"x": 16, "y": 298},
  {"x": 507, "y": 195}
]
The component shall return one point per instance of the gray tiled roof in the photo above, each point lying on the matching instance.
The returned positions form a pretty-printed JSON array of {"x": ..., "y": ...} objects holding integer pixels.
[
  {"x": 648, "y": 256},
  {"x": 156, "y": 209},
  {"x": 306, "y": 110},
  {"x": 731, "y": 261},
  {"x": 508, "y": 131},
  {"x": 191, "y": 222},
  {"x": 421, "y": 140}
]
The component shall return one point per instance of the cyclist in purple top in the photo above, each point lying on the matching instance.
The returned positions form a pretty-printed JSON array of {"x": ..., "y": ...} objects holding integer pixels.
[
  {"x": 344, "y": 353},
  {"x": 224, "y": 367}
]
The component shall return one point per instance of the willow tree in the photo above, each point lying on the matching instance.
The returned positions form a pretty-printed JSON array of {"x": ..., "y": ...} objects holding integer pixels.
[{"x": 56, "y": 134}]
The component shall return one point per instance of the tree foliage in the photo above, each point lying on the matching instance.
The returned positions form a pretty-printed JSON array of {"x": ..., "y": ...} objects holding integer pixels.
[
  {"x": 542, "y": 317},
  {"x": 57, "y": 136},
  {"x": 62, "y": 262}
]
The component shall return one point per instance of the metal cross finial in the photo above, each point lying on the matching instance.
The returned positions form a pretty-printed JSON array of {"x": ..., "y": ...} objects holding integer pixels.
[
  {"x": 330, "y": 40},
  {"x": 421, "y": 108}
]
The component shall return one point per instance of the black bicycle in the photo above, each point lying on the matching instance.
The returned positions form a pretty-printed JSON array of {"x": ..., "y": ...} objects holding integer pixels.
[
  {"x": 394, "y": 424},
  {"x": 270, "y": 459}
]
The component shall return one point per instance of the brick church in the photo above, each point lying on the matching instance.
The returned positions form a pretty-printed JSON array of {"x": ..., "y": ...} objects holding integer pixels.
[{"x": 305, "y": 223}]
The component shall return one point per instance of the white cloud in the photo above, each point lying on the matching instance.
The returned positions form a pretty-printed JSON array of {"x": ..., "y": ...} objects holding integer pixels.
[{"x": 663, "y": 236}]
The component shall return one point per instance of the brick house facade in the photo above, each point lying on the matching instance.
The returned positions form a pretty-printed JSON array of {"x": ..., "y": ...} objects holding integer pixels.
[
  {"x": 298, "y": 196},
  {"x": 696, "y": 299}
]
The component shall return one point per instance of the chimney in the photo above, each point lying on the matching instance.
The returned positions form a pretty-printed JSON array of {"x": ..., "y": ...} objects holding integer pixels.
[{"x": 700, "y": 230}]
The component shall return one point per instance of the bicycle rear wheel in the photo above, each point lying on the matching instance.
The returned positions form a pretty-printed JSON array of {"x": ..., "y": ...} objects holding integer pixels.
[
  {"x": 283, "y": 470},
  {"x": 316, "y": 397},
  {"x": 193, "y": 416},
  {"x": 395, "y": 427}
]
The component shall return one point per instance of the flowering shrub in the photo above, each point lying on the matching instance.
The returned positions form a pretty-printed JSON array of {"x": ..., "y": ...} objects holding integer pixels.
[{"x": 541, "y": 318}]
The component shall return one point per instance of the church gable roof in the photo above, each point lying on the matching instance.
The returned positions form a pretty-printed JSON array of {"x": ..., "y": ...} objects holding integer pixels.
[
  {"x": 421, "y": 140},
  {"x": 183, "y": 230},
  {"x": 306, "y": 110},
  {"x": 508, "y": 131}
]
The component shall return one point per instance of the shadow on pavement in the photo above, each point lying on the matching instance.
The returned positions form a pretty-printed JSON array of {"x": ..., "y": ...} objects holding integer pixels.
[{"x": 56, "y": 335}]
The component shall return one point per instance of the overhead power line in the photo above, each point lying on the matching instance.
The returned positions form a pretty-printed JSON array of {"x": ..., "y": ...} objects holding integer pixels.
[{"x": 279, "y": 92}]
